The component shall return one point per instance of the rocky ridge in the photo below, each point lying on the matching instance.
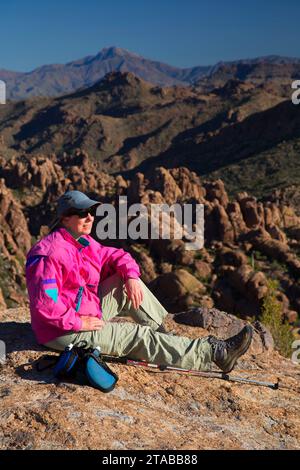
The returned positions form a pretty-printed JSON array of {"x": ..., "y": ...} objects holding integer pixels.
[{"x": 125, "y": 123}]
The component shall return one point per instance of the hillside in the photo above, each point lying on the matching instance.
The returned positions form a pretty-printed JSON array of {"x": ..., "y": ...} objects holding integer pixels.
[
  {"x": 126, "y": 125},
  {"x": 258, "y": 152},
  {"x": 277, "y": 70}
]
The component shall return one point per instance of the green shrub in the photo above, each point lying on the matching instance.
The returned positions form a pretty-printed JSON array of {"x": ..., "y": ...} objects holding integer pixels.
[
  {"x": 255, "y": 259},
  {"x": 271, "y": 316}
]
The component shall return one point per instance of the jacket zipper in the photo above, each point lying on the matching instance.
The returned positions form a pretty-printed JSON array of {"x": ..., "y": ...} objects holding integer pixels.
[{"x": 78, "y": 298}]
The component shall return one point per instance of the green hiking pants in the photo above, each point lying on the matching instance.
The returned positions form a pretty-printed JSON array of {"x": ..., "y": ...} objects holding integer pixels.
[{"x": 138, "y": 341}]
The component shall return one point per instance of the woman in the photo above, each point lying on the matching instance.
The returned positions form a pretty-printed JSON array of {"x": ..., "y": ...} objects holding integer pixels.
[{"x": 76, "y": 286}]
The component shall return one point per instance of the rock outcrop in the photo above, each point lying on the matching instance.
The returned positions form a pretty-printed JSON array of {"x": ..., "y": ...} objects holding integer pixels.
[
  {"x": 37, "y": 412},
  {"x": 15, "y": 241},
  {"x": 223, "y": 325},
  {"x": 245, "y": 236}
]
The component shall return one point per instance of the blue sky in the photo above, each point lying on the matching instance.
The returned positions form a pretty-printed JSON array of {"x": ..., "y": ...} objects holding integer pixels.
[{"x": 183, "y": 33}]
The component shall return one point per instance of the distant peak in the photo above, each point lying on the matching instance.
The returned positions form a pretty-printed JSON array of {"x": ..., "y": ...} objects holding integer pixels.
[{"x": 113, "y": 51}]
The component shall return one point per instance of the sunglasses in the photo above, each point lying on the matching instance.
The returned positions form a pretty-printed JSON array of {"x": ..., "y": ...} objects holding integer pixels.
[{"x": 82, "y": 213}]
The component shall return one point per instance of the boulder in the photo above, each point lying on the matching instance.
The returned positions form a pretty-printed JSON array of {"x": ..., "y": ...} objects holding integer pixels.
[
  {"x": 276, "y": 233},
  {"x": 232, "y": 257},
  {"x": 223, "y": 296},
  {"x": 250, "y": 212},
  {"x": 257, "y": 286},
  {"x": 146, "y": 264},
  {"x": 189, "y": 184},
  {"x": 203, "y": 269},
  {"x": 216, "y": 190},
  {"x": 224, "y": 325},
  {"x": 136, "y": 189},
  {"x": 238, "y": 278},
  {"x": 13, "y": 225},
  {"x": 166, "y": 268},
  {"x": 176, "y": 288},
  {"x": 162, "y": 180},
  {"x": 247, "y": 308},
  {"x": 172, "y": 251},
  {"x": 236, "y": 218},
  {"x": 272, "y": 214},
  {"x": 206, "y": 301},
  {"x": 224, "y": 228}
]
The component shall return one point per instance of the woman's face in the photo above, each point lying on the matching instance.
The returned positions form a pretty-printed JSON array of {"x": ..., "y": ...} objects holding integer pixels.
[{"x": 77, "y": 225}]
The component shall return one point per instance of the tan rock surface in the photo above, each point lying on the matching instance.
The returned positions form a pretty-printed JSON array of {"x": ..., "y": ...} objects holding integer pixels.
[{"x": 146, "y": 410}]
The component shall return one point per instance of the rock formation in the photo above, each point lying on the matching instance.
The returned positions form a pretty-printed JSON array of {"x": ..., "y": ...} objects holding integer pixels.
[
  {"x": 245, "y": 237},
  {"x": 190, "y": 412}
]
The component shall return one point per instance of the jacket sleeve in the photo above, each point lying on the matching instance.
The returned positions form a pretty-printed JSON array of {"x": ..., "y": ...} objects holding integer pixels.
[
  {"x": 44, "y": 279},
  {"x": 118, "y": 260}
]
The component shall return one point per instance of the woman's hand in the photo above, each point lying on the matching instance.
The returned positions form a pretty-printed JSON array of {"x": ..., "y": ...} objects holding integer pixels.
[
  {"x": 91, "y": 323},
  {"x": 134, "y": 292}
]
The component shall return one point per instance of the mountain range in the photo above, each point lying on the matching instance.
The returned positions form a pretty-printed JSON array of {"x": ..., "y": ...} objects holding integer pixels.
[
  {"x": 126, "y": 124},
  {"x": 58, "y": 79},
  {"x": 110, "y": 132}
]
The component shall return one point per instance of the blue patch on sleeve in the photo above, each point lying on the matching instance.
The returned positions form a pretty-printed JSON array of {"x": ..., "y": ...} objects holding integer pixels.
[{"x": 53, "y": 294}]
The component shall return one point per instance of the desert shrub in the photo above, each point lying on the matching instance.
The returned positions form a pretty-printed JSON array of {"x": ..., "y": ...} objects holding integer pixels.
[{"x": 271, "y": 316}]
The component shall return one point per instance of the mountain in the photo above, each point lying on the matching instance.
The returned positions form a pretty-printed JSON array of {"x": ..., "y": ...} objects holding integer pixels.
[
  {"x": 58, "y": 79},
  {"x": 274, "y": 69},
  {"x": 127, "y": 125}
]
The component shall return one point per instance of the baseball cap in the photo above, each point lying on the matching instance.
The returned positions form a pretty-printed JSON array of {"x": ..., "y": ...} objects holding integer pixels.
[{"x": 71, "y": 200}]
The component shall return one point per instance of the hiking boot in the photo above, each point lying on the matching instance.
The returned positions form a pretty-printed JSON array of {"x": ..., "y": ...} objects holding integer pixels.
[{"x": 226, "y": 352}]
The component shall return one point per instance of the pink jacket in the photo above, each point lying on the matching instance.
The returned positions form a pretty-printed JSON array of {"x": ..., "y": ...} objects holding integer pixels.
[{"x": 62, "y": 277}]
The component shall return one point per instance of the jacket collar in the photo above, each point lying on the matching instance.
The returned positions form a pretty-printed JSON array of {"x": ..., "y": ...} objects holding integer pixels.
[{"x": 82, "y": 242}]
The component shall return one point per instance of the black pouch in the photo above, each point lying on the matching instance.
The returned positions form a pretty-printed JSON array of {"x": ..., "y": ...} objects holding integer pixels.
[{"x": 67, "y": 364}]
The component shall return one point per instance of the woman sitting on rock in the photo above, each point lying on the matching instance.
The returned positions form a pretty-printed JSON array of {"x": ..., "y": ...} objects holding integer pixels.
[{"x": 76, "y": 286}]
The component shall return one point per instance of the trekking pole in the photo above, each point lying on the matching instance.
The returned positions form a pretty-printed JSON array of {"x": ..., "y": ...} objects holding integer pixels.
[{"x": 214, "y": 374}]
